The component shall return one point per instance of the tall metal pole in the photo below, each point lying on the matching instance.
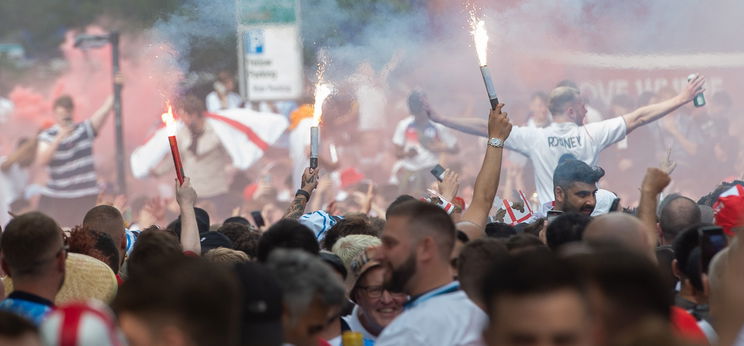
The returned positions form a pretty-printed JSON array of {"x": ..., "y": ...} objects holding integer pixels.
[{"x": 118, "y": 128}]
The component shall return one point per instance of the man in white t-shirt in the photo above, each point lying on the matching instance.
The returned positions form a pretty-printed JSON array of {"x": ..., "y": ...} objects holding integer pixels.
[
  {"x": 418, "y": 143},
  {"x": 567, "y": 135},
  {"x": 416, "y": 245},
  {"x": 224, "y": 95}
]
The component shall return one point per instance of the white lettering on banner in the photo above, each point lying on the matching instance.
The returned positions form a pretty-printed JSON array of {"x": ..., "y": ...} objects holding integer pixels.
[
  {"x": 605, "y": 90},
  {"x": 273, "y": 61}
]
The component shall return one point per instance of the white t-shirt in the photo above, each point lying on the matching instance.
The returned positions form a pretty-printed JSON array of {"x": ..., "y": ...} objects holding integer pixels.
[
  {"x": 448, "y": 319},
  {"x": 214, "y": 104},
  {"x": 356, "y": 325},
  {"x": 12, "y": 185},
  {"x": 544, "y": 146},
  {"x": 408, "y": 136}
]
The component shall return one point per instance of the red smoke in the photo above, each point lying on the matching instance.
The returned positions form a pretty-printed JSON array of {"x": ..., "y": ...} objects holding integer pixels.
[{"x": 149, "y": 79}]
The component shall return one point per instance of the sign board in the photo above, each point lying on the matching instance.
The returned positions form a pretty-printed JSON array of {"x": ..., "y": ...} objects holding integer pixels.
[{"x": 270, "y": 53}]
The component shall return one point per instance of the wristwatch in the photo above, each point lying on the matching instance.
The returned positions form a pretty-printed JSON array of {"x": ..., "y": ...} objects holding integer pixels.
[{"x": 496, "y": 143}]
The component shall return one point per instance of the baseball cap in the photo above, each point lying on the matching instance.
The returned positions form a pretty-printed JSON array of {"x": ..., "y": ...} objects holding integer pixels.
[
  {"x": 213, "y": 240},
  {"x": 202, "y": 222},
  {"x": 261, "y": 310},
  {"x": 361, "y": 264},
  {"x": 729, "y": 209}
]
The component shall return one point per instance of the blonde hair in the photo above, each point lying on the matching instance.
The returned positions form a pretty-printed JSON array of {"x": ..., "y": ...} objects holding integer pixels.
[
  {"x": 348, "y": 247},
  {"x": 222, "y": 255},
  {"x": 560, "y": 98}
]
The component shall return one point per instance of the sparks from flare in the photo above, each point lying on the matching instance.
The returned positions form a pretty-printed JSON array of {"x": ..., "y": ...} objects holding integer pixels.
[
  {"x": 322, "y": 91},
  {"x": 480, "y": 37}
]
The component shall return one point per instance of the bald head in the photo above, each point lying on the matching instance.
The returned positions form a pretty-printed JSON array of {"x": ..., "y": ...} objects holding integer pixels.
[
  {"x": 617, "y": 229},
  {"x": 107, "y": 219},
  {"x": 677, "y": 215}
]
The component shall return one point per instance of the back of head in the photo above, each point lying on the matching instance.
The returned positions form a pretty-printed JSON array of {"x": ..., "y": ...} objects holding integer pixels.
[
  {"x": 676, "y": 215},
  {"x": 152, "y": 245},
  {"x": 500, "y": 230},
  {"x": 187, "y": 293},
  {"x": 287, "y": 234},
  {"x": 95, "y": 244},
  {"x": 28, "y": 243},
  {"x": 473, "y": 263},
  {"x": 261, "y": 308},
  {"x": 560, "y": 98},
  {"x": 248, "y": 243},
  {"x": 687, "y": 253},
  {"x": 528, "y": 274},
  {"x": 631, "y": 286},
  {"x": 303, "y": 278},
  {"x": 616, "y": 230},
  {"x": 226, "y": 256},
  {"x": 524, "y": 242},
  {"x": 398, "y": 201},
  {"x": 234, "y": 230},
  {"x": 565, "y": 229},
  {"x": 106, "y": 219},
  {"x": 571, "y": 171},
  {"x": 425, "y": 219},
  {"x": 346, "y": 227}
]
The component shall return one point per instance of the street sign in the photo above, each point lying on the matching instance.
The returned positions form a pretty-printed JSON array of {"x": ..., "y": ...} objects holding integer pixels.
[{"x": 270, "y": 53}]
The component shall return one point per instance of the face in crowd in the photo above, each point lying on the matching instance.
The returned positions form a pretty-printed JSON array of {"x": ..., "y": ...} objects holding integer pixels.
[
  {"x": 398, "y": 255},
  {"x": 378, "y": 306},
  {"x": 578, "y": 197},
  {"x": 555, "y": 318}
]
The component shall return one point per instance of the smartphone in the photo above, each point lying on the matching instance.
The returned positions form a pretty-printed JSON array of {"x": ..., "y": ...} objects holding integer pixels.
[
  {"x": 712, "y": 240},
  {"x": 615, "y": 205},
  {"x": 552, "y": 214},
  {"x": 438, "y": 172},
  {"x": 257, "y": 218}
]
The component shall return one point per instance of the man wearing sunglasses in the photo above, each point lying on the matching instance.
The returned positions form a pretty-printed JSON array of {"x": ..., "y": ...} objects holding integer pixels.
[{"x": 33, "y": 255}]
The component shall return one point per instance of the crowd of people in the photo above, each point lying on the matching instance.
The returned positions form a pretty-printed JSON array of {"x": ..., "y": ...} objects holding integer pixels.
[{"x": 369, "y": 247}]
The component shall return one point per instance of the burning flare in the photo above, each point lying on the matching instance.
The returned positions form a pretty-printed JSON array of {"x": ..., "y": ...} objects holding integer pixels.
[
  {"x": 169, "y": 119},
  {"x": 480, "y": 37},
  {"x": 322, "y": 91}
]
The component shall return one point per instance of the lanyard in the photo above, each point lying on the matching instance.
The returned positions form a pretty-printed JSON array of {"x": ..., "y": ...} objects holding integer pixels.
[{"x": 451, "y": 287}]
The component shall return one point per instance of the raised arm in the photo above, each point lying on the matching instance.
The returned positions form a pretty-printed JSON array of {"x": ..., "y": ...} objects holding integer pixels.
[
  {"x": 99, "y": 117},
  {"x": 653, "y": 184},
  {"x": 473, "y": 126},
  {"x": 650, "y": 113},
  {"x": 309, "y": 183},
  {"x": 487, "y": 181},
  {"x": 186, "y": 197}
]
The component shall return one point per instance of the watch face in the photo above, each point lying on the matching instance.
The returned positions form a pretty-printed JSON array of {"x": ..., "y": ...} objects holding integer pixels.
[{"x": 495, "y": 142}]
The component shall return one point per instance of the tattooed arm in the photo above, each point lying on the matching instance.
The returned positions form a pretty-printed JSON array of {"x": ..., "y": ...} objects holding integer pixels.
[{"x": 309, "y": 183}]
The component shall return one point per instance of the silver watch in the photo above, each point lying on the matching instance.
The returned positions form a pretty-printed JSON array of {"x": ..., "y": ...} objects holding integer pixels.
[{"x": 496, "y": 143}]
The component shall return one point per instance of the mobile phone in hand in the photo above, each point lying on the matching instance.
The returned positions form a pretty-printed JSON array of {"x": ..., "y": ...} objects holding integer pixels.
[
  {"x": 257, "y": 218},
  {"x": 438, "y": 172},
  {"x": 712, "y": 240}
]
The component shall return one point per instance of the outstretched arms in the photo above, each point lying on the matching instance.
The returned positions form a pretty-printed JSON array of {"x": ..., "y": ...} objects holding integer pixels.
[{"x": 650, "y": 113}]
